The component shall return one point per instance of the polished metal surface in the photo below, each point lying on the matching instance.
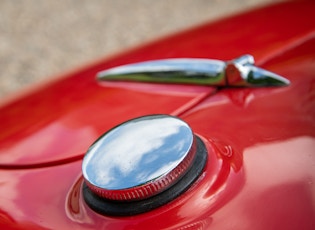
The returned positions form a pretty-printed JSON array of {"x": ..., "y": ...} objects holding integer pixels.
[
  {"x": 179, "y": 70},
  {"x": 139, "y": 158},
  {"x": 238, "y": 72},
  {"x": 243, "y": 72}
]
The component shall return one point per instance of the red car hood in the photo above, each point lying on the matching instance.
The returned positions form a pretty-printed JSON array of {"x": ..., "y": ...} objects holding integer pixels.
[
  {"x": 58, "y": 123},
  {"x": 78, "y": 109},
  {"x": 262, "y": 175}
]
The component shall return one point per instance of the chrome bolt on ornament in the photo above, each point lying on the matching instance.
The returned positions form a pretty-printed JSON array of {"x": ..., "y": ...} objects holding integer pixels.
[
  {"x": 238, "y": 72},
  {"x": 141, "y": 164}
]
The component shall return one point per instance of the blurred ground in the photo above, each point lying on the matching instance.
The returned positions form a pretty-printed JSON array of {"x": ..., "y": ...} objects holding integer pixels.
[{"x": 39, "y": 39}]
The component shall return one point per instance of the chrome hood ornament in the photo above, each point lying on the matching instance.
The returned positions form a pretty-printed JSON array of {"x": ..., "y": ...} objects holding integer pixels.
[{"x": 238, "y": 72}]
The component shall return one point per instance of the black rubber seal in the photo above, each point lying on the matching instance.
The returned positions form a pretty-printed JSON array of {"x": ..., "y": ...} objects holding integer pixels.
[{"x": 118, "y": 208}]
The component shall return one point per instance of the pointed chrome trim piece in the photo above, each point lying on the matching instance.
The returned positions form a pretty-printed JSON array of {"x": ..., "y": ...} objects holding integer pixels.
[{"x": 238, "y": 72}]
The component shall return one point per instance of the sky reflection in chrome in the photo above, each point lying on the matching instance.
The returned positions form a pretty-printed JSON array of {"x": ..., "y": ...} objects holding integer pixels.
[{"x": 137, "y": 152}]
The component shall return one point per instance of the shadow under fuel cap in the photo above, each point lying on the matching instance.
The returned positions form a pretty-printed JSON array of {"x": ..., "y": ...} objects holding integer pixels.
[{"x": 141, "y": 164}]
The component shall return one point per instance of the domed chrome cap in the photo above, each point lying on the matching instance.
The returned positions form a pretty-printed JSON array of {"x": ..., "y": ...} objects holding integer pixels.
[{"x": 139, "y": 158}]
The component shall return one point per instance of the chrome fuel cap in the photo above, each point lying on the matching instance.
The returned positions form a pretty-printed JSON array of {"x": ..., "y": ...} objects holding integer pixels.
[{"x": 138, "y": 160}]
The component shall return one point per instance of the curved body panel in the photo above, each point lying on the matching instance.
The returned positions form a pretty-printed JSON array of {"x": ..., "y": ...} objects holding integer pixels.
[{"x": 260, "y": 141}]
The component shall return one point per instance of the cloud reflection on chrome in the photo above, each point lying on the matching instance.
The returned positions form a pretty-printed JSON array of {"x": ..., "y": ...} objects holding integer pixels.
[{"x": 137, "y": 152}]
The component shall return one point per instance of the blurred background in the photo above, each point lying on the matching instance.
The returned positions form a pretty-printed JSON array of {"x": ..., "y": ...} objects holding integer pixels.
[{"x": 40, "y": 39}]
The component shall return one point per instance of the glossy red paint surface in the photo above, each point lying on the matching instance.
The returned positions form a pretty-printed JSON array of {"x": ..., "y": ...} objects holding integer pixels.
[
  {"x": 261, "y": 141},
  {"x": 36, "y": 126}
]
